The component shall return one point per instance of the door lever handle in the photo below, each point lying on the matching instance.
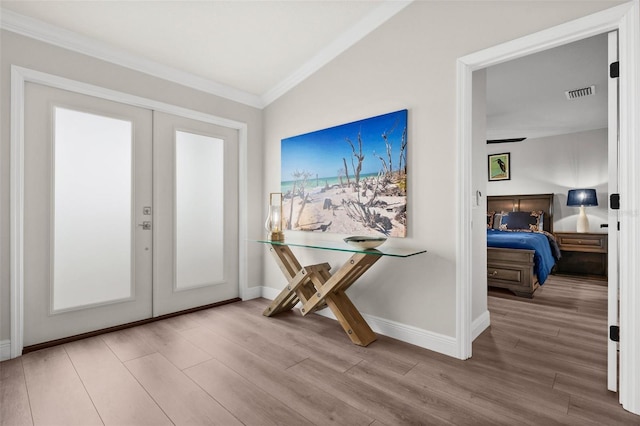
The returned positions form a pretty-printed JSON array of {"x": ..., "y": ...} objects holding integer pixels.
[{"x": 146, "y": 225}]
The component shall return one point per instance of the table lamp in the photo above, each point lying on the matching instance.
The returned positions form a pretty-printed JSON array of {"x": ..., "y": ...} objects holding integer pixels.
[{"x": 582, "y": 198}]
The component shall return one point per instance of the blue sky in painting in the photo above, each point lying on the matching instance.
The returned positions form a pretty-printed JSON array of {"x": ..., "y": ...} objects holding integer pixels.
[{"x": 321, "y": 152}]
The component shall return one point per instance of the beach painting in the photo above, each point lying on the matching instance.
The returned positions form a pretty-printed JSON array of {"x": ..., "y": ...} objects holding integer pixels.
[{"x": 349, "y": 179}]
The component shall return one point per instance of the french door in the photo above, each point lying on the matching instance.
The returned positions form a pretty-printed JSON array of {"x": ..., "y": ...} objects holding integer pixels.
[
  {"x": 196, "y": 214},
  {"x": 129, "y": 214}
]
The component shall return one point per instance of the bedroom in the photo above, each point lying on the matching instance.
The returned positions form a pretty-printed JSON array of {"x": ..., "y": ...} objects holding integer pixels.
[
  {"x": 566, "y": 148},
  {"x": 566, "y": 141}
]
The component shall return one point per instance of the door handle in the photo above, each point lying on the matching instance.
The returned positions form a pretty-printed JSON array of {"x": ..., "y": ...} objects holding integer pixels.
[{"x": 146, "y": 225}]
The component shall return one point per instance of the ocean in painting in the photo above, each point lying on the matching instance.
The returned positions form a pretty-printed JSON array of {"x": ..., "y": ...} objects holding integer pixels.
[
  {"x": 317, "y": 183},
  {"x": 349, "y": 179}
]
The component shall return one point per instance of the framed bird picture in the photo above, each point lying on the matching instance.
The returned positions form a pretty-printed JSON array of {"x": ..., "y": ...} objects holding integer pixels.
[{"x": 499, "y": 167}]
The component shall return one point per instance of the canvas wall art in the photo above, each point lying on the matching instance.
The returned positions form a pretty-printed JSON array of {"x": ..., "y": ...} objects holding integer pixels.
[{"x": 349, "y": 179}]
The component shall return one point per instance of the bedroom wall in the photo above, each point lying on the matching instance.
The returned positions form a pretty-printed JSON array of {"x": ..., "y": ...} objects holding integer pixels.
[
  {"x": 408, "y": 62},
  {"x": 29, "y": 53},
  {"x": 556, "y": 164}
]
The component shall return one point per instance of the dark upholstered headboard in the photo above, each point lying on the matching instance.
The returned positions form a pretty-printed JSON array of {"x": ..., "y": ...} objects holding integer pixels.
[{"x": 524, "y": 203}]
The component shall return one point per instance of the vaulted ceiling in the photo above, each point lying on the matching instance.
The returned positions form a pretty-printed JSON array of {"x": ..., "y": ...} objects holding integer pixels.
[
  {"x": 257, "y": 48},
  {"x": 255, "y": 51}
]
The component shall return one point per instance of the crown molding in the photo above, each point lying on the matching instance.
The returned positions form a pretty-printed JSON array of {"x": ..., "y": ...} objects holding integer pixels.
[
  {"x": 70, "y": 40},
  {"x": 361, "y": 29}
]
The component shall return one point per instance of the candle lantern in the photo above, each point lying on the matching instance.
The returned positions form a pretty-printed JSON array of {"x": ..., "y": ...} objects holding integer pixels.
[{"x": 274, "y": 218}]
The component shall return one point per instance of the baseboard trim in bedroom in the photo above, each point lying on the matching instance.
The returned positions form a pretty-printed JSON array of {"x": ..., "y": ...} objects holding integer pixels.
[
  {"x": 416, "y": 336},
  {"x": 5, "y": 350},
  {"x": 480, "y": 324}
]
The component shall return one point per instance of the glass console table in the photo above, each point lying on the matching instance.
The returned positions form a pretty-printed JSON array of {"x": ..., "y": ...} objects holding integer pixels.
[{"x": 316, "y": 288}]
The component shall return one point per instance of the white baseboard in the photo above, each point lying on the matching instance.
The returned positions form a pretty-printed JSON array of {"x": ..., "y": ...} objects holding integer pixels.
[
  {"x": 5, "y": 350},
  {"x": 416, "y": 336},
  {"x": 480, "y": 324},
  {"x": 269, "y": 292},
  {"x": 252, "y": 293}
]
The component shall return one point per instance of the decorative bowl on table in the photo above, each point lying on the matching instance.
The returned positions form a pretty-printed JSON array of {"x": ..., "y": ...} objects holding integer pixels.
[{"x": 364, "y": 242}]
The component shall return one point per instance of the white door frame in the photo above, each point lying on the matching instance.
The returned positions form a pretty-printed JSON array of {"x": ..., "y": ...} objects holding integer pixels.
[
  {"x": 19, "y": 77},
  {"x": 626, "y": 19},
  {"x": 612, "y": 218}
]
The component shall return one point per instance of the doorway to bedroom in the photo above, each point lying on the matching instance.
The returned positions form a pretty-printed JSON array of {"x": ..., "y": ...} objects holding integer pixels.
[
  {"x": 623, "y": 300},
  {"x": 547, "y": 133}
]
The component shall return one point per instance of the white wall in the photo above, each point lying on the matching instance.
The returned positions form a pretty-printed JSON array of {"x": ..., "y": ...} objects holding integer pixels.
[
  {"x": 409, "y": 62},
  {"x": 29, "y": 53},
  {"x": 554, "y": 165},
  {"x": 479, "y": 215}
]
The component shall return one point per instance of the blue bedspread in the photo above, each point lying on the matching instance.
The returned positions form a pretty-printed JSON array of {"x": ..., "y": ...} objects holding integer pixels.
[{"x": 543, "y": 259}]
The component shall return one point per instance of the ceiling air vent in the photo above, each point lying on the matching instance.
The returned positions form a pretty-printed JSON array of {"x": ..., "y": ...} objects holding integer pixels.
[{"x": 580, "y": 93}]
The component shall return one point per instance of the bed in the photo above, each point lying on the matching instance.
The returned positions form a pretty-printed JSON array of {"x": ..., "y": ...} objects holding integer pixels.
[{"x": 520, "y": 255}]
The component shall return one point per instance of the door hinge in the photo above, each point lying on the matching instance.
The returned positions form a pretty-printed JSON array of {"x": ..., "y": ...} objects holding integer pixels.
[
  {"x": 614, "y": 69},
  {"x": 614, "y": 333},
  {"x": 614, "y": 201}
]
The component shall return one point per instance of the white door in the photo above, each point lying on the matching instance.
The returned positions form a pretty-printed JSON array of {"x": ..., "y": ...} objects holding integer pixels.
[
  {"x": 195, "y": 214},
  {"x": 113, "y": 196},
  {"x": 612, "y": 350},
  {"x": 87, "y": 265}
]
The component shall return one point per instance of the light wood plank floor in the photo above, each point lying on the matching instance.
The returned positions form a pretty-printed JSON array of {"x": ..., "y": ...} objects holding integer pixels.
[{"x": 542, "y": 362}]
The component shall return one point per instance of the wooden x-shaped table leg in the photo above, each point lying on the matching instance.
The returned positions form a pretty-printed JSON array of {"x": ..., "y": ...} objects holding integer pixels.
[{"x": 316, "y": 288}]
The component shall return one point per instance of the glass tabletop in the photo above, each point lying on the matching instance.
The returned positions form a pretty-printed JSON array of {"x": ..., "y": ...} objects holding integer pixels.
[{"x": 382, "y": 250}]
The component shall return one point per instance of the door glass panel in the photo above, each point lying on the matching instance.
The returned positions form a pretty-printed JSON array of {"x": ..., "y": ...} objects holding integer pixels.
[
  {"x": 199, "y": 215},
  {"x": 92, "y": 235}
]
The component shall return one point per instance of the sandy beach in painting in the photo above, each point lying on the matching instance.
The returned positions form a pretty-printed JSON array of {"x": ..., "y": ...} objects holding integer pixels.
[
  {"x": 380, "y": 209},
  {"x": 349, "y": 179}
]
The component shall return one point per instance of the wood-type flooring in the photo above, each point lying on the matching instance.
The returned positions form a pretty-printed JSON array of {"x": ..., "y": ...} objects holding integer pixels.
[{"x": 542, "y": 362}]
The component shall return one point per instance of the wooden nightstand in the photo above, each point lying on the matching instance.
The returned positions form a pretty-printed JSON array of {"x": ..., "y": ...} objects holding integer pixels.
[{"x": 583, "y": 253}]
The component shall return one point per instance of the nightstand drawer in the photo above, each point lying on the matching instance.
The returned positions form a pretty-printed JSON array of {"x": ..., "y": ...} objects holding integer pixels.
[
  {"x": 582, "y": 253},
  {"x": 588, "y": 243}
]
